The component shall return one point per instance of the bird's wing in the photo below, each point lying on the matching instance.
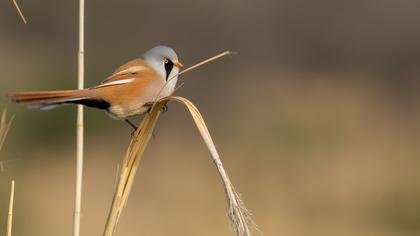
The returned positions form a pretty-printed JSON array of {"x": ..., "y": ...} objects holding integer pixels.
[{"x": 123, "y": 73}]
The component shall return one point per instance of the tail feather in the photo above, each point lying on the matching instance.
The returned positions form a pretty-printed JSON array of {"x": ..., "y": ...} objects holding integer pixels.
[{"x": 49, "y": 99}]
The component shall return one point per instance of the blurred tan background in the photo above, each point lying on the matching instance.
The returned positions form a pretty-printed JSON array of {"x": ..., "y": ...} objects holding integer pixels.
[{"x": 317, "y": 118}]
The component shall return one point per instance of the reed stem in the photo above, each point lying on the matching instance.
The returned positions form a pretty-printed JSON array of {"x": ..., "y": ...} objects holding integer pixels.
[
  {"x": 10, "y": 213},
  {"x": 80, "y": 124}
]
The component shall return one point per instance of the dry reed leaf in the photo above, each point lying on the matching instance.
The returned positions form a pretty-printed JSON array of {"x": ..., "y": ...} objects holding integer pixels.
[
  {"x": 237, "y": 212},
  {"x": 129, "y": 166}
]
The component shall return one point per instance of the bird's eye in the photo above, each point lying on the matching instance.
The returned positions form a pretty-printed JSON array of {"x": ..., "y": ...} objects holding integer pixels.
[{"x": 166, "y": 61}]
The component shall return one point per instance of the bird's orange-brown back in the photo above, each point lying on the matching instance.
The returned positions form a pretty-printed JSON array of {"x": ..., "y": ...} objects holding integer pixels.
[{"x": 131, "y": 87}]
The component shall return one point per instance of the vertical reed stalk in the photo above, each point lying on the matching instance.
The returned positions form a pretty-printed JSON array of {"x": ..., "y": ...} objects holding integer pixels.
[
  {"x": 80, "y": 130},
  {"x": 10, "y": 213}
]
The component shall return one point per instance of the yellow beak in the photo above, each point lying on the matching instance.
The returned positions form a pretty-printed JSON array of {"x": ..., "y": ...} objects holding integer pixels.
[{"x": 178, "y": 64}]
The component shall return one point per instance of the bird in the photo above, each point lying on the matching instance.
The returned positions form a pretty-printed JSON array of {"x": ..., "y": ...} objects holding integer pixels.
[{"x": 131, "y": 90}]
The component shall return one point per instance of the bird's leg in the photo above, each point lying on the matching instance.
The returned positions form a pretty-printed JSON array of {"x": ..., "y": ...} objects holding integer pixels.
[
  {"x": 132, "y": 125},
  {"x": 135, "y": 128}
]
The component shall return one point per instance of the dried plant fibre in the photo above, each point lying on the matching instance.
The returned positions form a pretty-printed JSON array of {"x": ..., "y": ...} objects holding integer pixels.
[
  {"x": 4, "y": 127},
  {"x": 19, "y": 11},
  {"x": 237, "y": 212}
]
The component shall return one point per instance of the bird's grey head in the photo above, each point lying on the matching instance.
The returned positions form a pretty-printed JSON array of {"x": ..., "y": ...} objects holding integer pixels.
[{"x": 164, "y": 60}]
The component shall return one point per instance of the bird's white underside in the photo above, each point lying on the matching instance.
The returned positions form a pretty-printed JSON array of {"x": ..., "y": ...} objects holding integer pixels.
[{"x": 119, "y": 112}]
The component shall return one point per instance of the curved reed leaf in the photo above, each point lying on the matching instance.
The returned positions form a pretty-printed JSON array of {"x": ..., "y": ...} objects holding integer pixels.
[{"x": 237, "y": 212}]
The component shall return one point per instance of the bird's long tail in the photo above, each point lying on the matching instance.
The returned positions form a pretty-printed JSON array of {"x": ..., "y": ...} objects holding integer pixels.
[{"x": 50, "y": 99}]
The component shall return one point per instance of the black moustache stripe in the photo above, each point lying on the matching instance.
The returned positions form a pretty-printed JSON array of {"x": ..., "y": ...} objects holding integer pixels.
[{"x": 168, "y": 68}]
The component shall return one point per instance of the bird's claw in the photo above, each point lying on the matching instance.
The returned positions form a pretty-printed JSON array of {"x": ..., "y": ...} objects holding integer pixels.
[
  {"x": 165, "y": 108},
  {"x": 134, "y": 132}
]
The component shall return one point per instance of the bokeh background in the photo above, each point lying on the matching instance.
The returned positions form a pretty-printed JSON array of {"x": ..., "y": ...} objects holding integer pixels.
[{"x": 316, "y": 118}]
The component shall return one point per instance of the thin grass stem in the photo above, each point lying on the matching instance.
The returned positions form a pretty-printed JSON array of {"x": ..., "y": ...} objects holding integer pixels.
[{"x": 218, "y": 56}]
